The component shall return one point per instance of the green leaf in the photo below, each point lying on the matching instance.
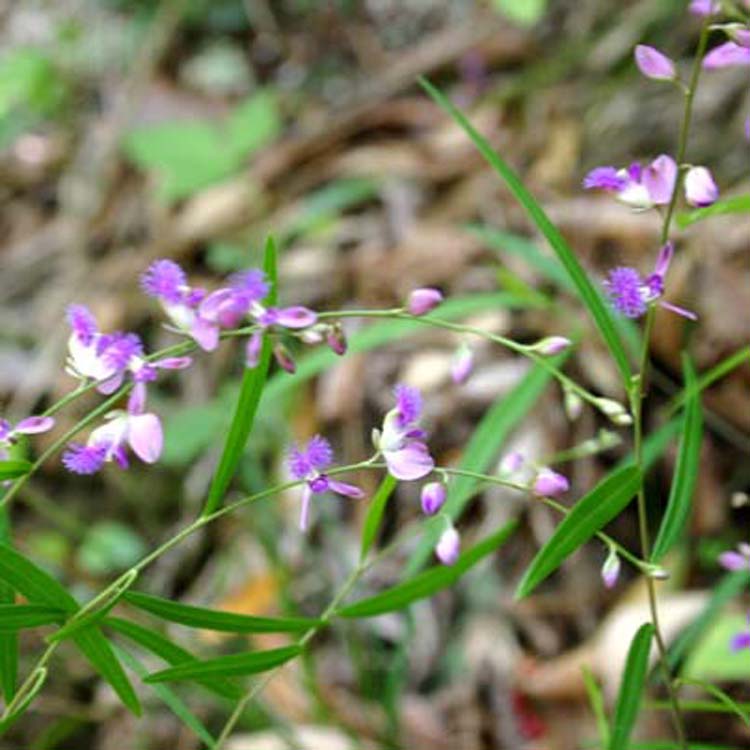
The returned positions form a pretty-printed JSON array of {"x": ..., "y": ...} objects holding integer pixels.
[
  {"x": 211, "y": 619},
  {"x": 525, "y": 12},
  {"x": 712, "y": 658},
  {"x": 375, "y": 514},
  {"x": 429, "y": 581},
  {"x": 590, "y": 297},
  {"x": 253, "y": 382},
  {"x": 586, "y": 517},
  {"x": 596, "y": 701},
  {"x": 8, "y": 641},
  {"x": 253, "y": 124},
  {"x": 721, "y": 696},
  {"x": 482, "y": 449},
  {"x": 170, "y": 699},
  {"x": 249, "y": 662},
  {"x": 171, "y": 653},
  {"x": 23, "y": 699},
  {"x": 14, "y": 617},
  {"x": 631, "y": 688},
  {"x": 685, "y": 476},
  {"x": 14, "y": 469},
  {"x": 96, "y": 648},
  {"x": 35, "y": 584},
  {"x": 736, "y": 204}
]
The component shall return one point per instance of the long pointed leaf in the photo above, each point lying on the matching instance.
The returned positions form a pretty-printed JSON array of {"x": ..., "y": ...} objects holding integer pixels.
[
  {"x": 8, "y": 641},
  {"x": 250, "y": 662},
  {"x": 680, "y": 501},
  {"x": 251, "y": 389},
  {"x": 587, "y": 517},
  {"x": 15, "y": 617},
  {"x": 428, "y": 582},
  {"x": 374, "y": 515},
  {"x": 211, "y": 619},
  {"x": 14, "y": 469},
  {"x": 588, "y": 294},
  {"x": 631, "y": 688}
]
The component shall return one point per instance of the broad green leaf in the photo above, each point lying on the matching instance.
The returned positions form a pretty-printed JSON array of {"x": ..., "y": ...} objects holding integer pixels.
[
  {"x": 685, "y": 476},
  {"x": 596, "y": 701},
  {"x": 525, "y": 12},
  {"x": 375, "y": 514},
  {"x": 96, "y": 648},
  {"x": 8, "y": 641},
  {"x": 253, "y": 124},
  {"x": 171, "y": 653},
  {"x": 38, "y": 586},
  {"x": 721, "y": 696},
  {"x": 631, "y": 688},
  {"x": 251, "y": 390},
  {"x": 590, "y": 297},
  {"x": 249, "y": 662},
  {"x": 482, "y": 449},
  {"x": 429, "y": 581},
  {"x": 736, "y": 204},
  {"x": 712, "y": 658},
  {"x": 211, "y": 619},
  {"x": 14, "y": 469},
  {"x": 14, "y": 617},
  {"x": 170, "y": 699},
  {"x": 730, "y": 586},
  {"x": 587, "y": 516}
]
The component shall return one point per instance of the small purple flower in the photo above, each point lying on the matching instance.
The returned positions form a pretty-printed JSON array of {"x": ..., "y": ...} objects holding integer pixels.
[
  {"x": 639, "y": 187},
  {"x": 654, "y": 64},
  {"x": 741, "y": 640},
  {"x": 727, "y": 55},
  {"x": 402, "y": 441},
  {"x": 432, "y": 497},
  {"x": 448, "y": 547},
  {"x": 422, "y": 301},
  {"x": 739, "y": 560},
  {"x": 611, "y": 569},
  {"x": 631, "y": 294},
  {"x": 27, "y": 426},
  {"x": 700, "y": 188},
  {"x": 166, "y": 281},
  {"x": 549, "y": 483},
  {"x": 462, "y": 364},
  {"x": 512, "y": 463},
  {"x": 704, "y": 7},
  {"x": 308, "y": 464}
]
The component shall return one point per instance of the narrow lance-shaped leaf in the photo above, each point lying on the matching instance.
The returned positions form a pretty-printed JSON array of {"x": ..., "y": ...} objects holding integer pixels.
[
  {"x": 680, "y": 501},
  {"x": 8, "y": 641},
  {"x": 251, "y": 389},
  {"x": 587, "y": 517},
  {"x": 631, "y": 688},
  {"x": 374, "y": 515},
  {"x": 428, "y": 582},
  {"x": 171, "y": 653},
  {"x": 250, "y": 662},
  {"x": 211, "y": 619},
  {"x": 590, "y": 297},
  {"x": 15, "y": 617},
  {"x": 14, "y": 469},
  {"x": 23, "y": 699}
]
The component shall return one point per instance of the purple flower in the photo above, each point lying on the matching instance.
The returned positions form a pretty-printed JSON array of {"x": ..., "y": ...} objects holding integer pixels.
[
  {"x": 740, "y": 640},
  {"x": 704, "y": 7},
  {"x": 654, "y": 64},
  {"x": 512, "y": 463},
  {"x": 611, "y": 568},
  {"x": 462, "y": 364},
  {"x": 402, "y": 441},
  {"x": 549, "y": 483},
  {"x": 433, "y": 497},
  {"x": 739, "y": 560},
  {"x": 641, "y": 188},
  {"x": 166, "y": 281},
  {"x": 27, "y": 426},
  {"x": 631, "y": 294},
  {"x": 448, "y": 547},
  {"x": 551, "y": 345},
  {"x": 727, "y": 55},
  {"x": 422, "y": 301},
  {"x": 700, "y": 188},
  {"x": 309, "y": 463}
]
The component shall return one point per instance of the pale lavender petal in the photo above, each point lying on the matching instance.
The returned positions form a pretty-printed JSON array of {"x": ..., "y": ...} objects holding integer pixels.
[
  {"x": 137, "y": 399},
  {"x": 741, "y": 36},
  {"x": 252, "y": 350},
  {"x": 604, "y": 178},
  {"x": 653, "y": 63},
  {"x": 700, "y": 188},
  {"x": 34, "y": 425},
  {"x": 173, "y": 363},
  {"x": 659, "y": 179},
  {"x": 412, "y": 462},
  {"x": 422, "y": 301},
  {"x": 726, "y": 55},
  {"x": 205, "y": 334},
  {"x": 462, "y": 364},
  {"x": 549, "y": 483},
  {"x": 432, "y": 497},
  {"x": 448, "y": 547},
  {"x": 109, "y": 386},
  {"x": 611, "y": 569},
  {"x": 677, "y": 309},
  {"x": 295, "y": 317},
  {"x": 734, "y": 561},
  {"x": 704, "y": 7},
  {"x": 343, "y": 488},
  {"x": 145, "y": 437},
  {"x": 225, "y": 307},
  {"x": 304, "y": 516},
  {"x": 664, "y": 259}
]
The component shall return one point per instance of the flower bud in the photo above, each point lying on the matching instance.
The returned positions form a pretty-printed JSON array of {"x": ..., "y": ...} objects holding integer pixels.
[
  {"x": 252, "y": 350},
  {"x": 700, "y": 188},
  {"x": 611, "y": 568},
  {"x": 433, "y": 497},
  {"x": 654, "y": 64},
  {"x": 551, "y": 345},
  {"x": 573, "y": 404},
  {"x": 314, "y": 334},
  {"x": 422, "y": 301},
  {"x": 704, "y": 7},
  {"x": 614, "y": 410},
  {"x": 462, "y": 364},
  {"x": 549, "y": 483},
  {"x": 448, "y": 547},
  {"x": 511, "y": 463},
  {"x": 284, "y": 358},
  {"x": 336, "y": 339}
]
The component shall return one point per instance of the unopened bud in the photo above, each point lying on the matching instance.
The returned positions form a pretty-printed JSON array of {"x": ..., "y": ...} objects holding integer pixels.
[
  {"x": 448, "y": 547},
  {"x": 433, "y": 497},
  {"x": 549, "y": 483},
  {"x": 654, "y": 64},
  {"x": 657, "y": 573},
  {"x": 611, "y": 568},
  {"x": 614, "y": 410},
  {"x": 511, "y": 463},
  {"x": 462, "y": 364},
  {"x": 422, "y": 301},
  {"x": 336, "y": 339},
  {"x": 284, "y": 358},
  {"x": 573, "y": 404},
  {"x": 551, "y": 345}
]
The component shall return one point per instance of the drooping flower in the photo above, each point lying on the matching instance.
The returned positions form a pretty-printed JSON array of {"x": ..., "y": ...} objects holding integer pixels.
[
  {"x": 422, "y": 301},
  {"x": 448, "y": 547},
  {"x": 654, "y": 64},
  {"x": 631, "y": 294},
  {"x": 549, "y": 483},
  {"x": 402, "y": 440},
  {"x": 639, "y": 187},
  {"x": 736, "y": 560},
  {"x": 309, "y": 464},
  {"x": 432, "y": 497},
  {"x": 700, "y": 188},
  {"x": 727, "y": 55}
]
